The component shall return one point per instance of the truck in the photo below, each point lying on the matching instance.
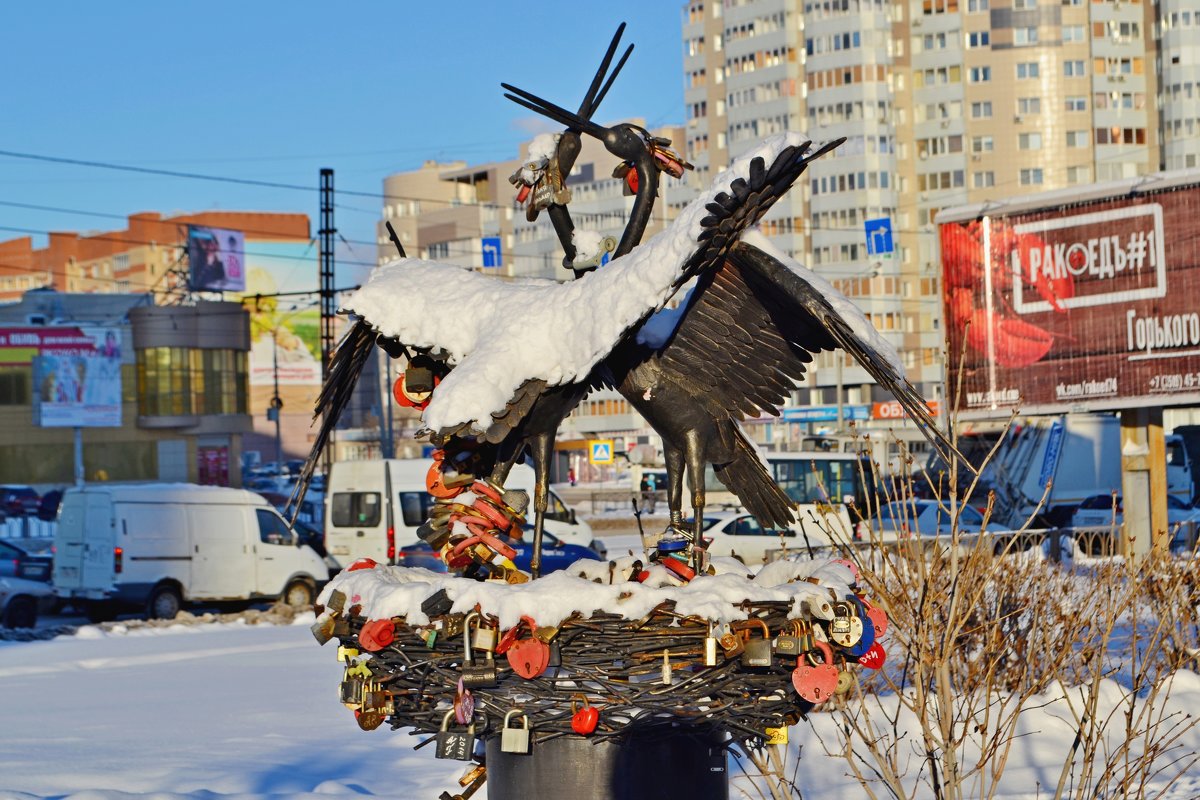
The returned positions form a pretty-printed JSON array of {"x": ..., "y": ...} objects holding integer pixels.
[
  {"x": 1079, "y": 455},
  {"x": 374, "y": 507},
  {"x": 156, "y": 547}
]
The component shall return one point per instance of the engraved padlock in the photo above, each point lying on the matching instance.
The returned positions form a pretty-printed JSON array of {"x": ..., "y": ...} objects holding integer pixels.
[
  {"x": 846, "y": 628},
  {"x": 788, "y": 643},
  {"x": 476, "y": 675},
  {"x": 515, "y": 740},
  {"x": 730, "y": 642},
  {"x": 758, "y": 651},
  {"x": 816, "y": 682},
  {"x": 458, "y": 745},
  {"x": 868, "y": 628}
]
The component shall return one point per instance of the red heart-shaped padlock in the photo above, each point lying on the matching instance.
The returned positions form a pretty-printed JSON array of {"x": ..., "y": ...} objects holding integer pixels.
[
  {"x": 816, "y": 682},
  {"x": 583, "y": 720},
  {"x": 363, "y": 563},
  {"x": 878, "y": 618},
  {"x": 376, "y": 635},
  {"x": 528, "y": 657},
  {"x": 874, "y": 657}
]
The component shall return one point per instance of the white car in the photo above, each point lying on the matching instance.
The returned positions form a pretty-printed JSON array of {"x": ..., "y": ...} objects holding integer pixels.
[
  {"x": 20, "y": 601},
  {"x": 738, "y": 534},
  {"x": 905, "y": 519}
]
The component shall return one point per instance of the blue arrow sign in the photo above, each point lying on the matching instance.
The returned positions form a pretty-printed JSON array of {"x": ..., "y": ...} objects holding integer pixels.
[
  {"x": 879, "y": 237},
  {"x": 491, "y": 251}
]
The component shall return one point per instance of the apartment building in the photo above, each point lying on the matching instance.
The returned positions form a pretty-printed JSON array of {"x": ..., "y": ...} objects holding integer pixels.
[{"x": 942, "y": 102}]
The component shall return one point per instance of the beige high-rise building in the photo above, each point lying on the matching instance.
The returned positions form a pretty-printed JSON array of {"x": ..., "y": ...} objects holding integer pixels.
[{"x": 942, "y": 102}]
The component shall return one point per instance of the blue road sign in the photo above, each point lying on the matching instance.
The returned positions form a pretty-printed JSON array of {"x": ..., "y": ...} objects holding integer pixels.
[
  {"x": 491, "y": 251},
  {"x": 600, "y": 451},
  {"x": 879, "y": 237}
]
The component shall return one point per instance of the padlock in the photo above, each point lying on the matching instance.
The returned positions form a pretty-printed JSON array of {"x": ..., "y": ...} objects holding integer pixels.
[
  {"x": 668, "y": 676},
  {"x": 846, "y": 628},
  {"x": 710, "y": 648},
  {"x": 878, "y": 618},
  {"x": 322, "y": 629},
  {"x": 485, "y": 638},
  {"x": 868, "y": 628},
  {"x": 874, "y": 657},
  {"x": 458, "y": 745},
  {"x": 515, "y": 740},
  {"x": 730, "y": 642},
  {"x": 375, "y": 699},
  {"x": 337, "y": 602},
  {"x": 758, "y": 651},
  {"x": 528, "y": 658},
  {"x": 788, "y": 643},
  {"x": 816, "y": 682},
  {"x": 777, "y": 735},
  {"x": 350, "y": 692},
  {"x": 347, "y": 654},
  {"x": 585, "y": 719},
  {"x": 368, "y": 720},
  {"x": 437, "y": 604},
  {"x": 476, "y": 675},
  {"x": 376, "y": 634},
  {"x": 845, "y": 682},
  {"x": 430, "y": 637}
]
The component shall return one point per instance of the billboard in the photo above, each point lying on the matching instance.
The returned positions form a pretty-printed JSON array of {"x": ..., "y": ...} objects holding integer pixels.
[
  {"x": 284, "y": 331},
  {"x": 216, "y": 259},
  {"x": 76, "y": 373},
  {"x": 1083, "y": 306}
]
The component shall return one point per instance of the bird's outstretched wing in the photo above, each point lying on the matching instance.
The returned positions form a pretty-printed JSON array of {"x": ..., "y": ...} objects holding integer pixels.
[{"x": 752, "y": 325}]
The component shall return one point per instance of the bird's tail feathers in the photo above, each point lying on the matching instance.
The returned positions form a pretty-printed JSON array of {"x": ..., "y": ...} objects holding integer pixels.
[
  {"x": 345, "y": 367},
  {"x": 747, "y": 477}
]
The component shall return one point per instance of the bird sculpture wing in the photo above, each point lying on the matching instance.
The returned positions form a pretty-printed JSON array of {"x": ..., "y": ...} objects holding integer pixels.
[
  {"x": 510, "y": 340},
  {"x": 750, "y": 327}
]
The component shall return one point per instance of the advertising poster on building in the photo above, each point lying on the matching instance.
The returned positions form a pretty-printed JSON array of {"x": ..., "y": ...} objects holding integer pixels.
[
  {"x": 1081, "y": 307},
  {"x": 216, "y": 259},
  {"x": 285, "y": 332},
  {"x": 76, "y": 374}
]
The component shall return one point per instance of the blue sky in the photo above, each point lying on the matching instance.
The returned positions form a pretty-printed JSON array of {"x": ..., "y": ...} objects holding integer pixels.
[{"x": 274, "y": 91}]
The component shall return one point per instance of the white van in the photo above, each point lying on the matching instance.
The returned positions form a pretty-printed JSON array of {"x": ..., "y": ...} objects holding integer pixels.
[
  {"x": 373, "y": 508},
  {"x": 157, "y": 546}
]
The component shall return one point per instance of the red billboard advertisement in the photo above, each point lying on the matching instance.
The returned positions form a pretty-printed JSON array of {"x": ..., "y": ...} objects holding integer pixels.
[{"x": 1082, "y": 305}]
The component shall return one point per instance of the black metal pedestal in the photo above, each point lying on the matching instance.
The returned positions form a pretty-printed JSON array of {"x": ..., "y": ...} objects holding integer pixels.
[{"x": 652, "y": 764}]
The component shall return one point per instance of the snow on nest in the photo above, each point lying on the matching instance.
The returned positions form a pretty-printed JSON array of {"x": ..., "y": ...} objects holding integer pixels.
[
  {"x": 543, "y": 146},
  {"x": 385, "y": 592},
  {"x": 500, "y": 334},
  {"x": 844, "y": 306},
  {"x": 588, "y": 244}
]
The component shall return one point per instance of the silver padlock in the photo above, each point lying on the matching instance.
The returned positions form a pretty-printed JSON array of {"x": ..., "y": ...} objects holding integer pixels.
[
  {"x": 476, "y": 675},
  {"x": 845, "y": 629},
  {"x": 515, "y": 740},
  {"x": 710, "y": 648},
  {"x": 484, "y": 638}
]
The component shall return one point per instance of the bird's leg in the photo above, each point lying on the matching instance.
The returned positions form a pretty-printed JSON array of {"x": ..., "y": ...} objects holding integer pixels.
[
  {"x": 694, "y": 449},
  {"x": 541, "y": 448},
  {"x": 673, "y": 457}
]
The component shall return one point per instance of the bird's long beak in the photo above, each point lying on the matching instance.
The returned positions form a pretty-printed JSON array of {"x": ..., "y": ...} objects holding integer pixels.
[{"x": 556, "y": 113}]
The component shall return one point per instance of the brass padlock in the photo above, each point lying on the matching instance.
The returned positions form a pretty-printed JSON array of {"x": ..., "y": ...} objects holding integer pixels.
[
  {"x": 788, "y": 643},
  {"x": 476, "y": 675},
  {"x": 515, "y": 740},
  {"x": 730, "y": 642},
  {"x": 710, "y": 648},
  {"x": 485, "y": 638},
  {"x": 758, "y": 651}
]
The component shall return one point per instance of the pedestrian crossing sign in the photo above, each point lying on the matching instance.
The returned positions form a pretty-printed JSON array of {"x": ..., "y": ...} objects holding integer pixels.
[{"x": 600, "y": 451}]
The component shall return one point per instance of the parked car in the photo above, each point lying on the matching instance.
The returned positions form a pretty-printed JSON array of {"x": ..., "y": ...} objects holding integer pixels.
[
  {"x": 21, "y": 601},
  {"x": 48, "y": 507},
  {"x": 556, "y": 554},
  {"x": 19, "y": 501},
  {"x": 903, "y": 519},
  {"x": 1107, "y": 511},
  {"x": 20, "y": 562},
  {"x": 738, "y": 534}
]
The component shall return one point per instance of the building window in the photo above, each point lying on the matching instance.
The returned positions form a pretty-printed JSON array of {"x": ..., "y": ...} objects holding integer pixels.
[
  {"x": 1029, "y": 141},
  {"x": 983, "y": 180},
  {"x": 1029, "y": 105},
  {"x": 1020, "y": 4},
  {"x": 1025, "y": 36},
  {"x": 1076, "y": 103},
  {"x": 982, "y": 144},
  {"x": 980, "y": 74},
  {"x": 978, "y": 39},
  {"x": 1031, "y": 176},
  {"x": 1073, "y": 69},
  {"x": 16, "y": 386},
  {"x": 975, "y": 6},
  {"x": 1079, "y": 174},
  {"x": 1077, "y": 138},
  {"x": 1074, "y": 33},
  {"x": 981, "y": 109},
  {"x": 1028, "y": 69}
]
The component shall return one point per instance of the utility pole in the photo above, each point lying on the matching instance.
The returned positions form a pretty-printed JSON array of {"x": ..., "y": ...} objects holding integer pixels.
[{"x": 328, "y": 307}]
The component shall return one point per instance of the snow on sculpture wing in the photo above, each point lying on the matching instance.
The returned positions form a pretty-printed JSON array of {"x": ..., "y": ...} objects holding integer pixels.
[{"x": 501, "y": 335}]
